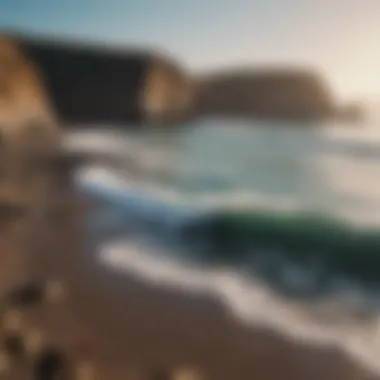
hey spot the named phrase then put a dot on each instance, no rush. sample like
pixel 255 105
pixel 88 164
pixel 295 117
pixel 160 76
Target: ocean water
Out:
pixel 280 222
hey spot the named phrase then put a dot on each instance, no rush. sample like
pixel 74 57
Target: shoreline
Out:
pixel 169 329
pixel 198 314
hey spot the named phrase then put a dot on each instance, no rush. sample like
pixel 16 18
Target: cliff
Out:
pixel 352 113
pixel 272 94
pixel 167 93
pixel 24 104
pixel 92 83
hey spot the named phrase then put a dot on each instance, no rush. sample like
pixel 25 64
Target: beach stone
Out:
pixel 27 294
pixel 14 346
pixel 187 374
pixel 85 370
pixel 51 364
pixel 12 320
pixel 5 364
pixel 34 341
pixel 55 291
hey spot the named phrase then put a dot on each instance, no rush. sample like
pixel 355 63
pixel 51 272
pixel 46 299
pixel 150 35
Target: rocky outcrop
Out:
pixel 25 108
pixel 23 99
pixel 352 113
pixel 167 93
pixel 89 83
pixel 272 94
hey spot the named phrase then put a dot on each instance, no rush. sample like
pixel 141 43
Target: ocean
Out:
pixel 279 222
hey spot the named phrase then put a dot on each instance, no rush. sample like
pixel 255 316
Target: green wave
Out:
pixel 300 238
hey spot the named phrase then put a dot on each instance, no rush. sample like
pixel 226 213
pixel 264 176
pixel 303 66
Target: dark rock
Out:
pixel 51 365
pixel 93 83
pixel 265 94
pixel 353 112
pixel 14 346
pixel 28 294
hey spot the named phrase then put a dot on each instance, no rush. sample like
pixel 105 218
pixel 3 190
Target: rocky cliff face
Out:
pixel 94 84
pixel 87 84
pixel 24 104
pixel 274 94
pixel 352 113
pixel 22 94
pixel 167 93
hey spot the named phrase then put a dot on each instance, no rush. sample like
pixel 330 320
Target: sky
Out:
pixel 340 38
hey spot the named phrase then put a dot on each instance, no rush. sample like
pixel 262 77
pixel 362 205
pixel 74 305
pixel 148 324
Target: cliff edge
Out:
pixel 94 83
pixel 270 94
pixel 25 108
pixel 23 97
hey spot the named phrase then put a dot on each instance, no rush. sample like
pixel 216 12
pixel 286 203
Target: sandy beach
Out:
pixel 161 330
pixel 113 326
pixel 157 331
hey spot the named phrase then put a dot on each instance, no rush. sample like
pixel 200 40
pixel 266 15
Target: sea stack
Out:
pixel 91 83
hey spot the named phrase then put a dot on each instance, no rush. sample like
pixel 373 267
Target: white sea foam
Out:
pixel 248 300
pixel 252 302
pixel 285 176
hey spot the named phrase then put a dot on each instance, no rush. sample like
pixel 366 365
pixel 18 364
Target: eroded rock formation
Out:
pixel 270 94
pixel 23 99
pixel 352 113
pixel 89 83
pixel 167 93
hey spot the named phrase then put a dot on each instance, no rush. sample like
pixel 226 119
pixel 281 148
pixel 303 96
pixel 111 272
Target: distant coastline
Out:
pixel 89 83
pixel 277 94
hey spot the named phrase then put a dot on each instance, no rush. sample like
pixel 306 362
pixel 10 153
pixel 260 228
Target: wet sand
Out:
pixel 113 326
pixel 160 329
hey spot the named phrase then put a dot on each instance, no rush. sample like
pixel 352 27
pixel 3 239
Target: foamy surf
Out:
pixel 252 302
pixel 350 185
pixel 106 180
pixel 347 318
pixel 339 321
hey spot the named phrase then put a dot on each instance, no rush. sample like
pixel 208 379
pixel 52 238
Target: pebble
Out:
pixel 186 374
pixel 34 341
pixel 55 291
pixel 5 363
pixel 12 320
pixel 85 370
